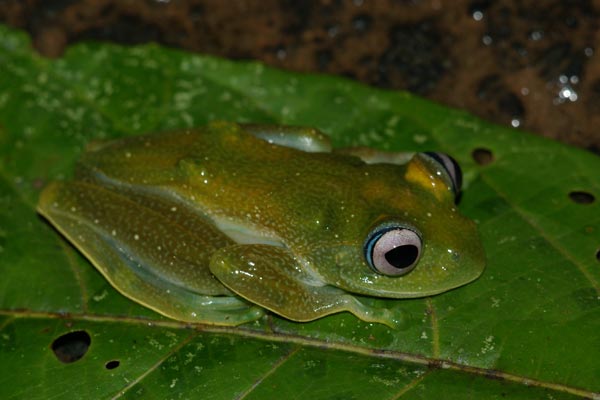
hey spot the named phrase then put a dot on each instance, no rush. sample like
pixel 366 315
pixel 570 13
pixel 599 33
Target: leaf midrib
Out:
pixel 279 337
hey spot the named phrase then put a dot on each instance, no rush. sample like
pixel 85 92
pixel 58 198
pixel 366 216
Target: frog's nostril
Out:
pixel 455 256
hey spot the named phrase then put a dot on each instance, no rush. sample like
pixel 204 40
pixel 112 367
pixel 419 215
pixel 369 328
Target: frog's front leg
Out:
pixel 302 138
pixel 273 278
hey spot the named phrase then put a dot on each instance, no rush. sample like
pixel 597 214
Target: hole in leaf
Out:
pixel 71 346
pixel 482 156
pixel 581 197
pixel 112 364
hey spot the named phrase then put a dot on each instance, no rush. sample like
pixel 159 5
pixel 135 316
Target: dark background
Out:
pixel 529 64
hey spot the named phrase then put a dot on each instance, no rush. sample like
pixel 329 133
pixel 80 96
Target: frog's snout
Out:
pixel 451 168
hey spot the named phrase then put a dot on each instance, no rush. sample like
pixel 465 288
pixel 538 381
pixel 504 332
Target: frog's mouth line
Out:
pixel 401 287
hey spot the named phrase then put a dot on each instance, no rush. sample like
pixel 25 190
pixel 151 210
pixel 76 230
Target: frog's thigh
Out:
pixel 269 276
pixel 297 137
pixel 142 253
pixel 372 156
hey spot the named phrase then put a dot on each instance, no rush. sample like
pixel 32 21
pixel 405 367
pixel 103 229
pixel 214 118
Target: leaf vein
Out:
pixel 564 252
pixel 308 342
pixel 160 361
pixel 283 359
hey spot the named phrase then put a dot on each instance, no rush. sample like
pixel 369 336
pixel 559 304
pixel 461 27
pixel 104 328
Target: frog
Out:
pixel 228 223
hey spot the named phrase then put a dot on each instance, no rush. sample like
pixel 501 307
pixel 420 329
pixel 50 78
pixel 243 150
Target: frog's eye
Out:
pixel 450 167
pixel 393 251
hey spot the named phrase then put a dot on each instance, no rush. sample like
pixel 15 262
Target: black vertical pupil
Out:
pixel 402 256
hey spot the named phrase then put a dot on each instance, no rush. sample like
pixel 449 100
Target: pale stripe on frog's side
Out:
pixel 216 224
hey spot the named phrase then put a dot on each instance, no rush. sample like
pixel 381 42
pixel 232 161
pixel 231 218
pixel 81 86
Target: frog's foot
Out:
pixel 392 317
pixel 273 278
pixel 147 252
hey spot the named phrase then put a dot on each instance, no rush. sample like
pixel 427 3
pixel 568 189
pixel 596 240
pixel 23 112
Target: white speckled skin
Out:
pixel 215 225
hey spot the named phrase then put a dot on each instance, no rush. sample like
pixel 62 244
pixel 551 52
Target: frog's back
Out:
pixel 245 178
pixel 221 151
pixel 141 160
pixel 229 174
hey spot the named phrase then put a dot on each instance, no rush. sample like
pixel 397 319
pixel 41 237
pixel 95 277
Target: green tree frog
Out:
pixel 219 224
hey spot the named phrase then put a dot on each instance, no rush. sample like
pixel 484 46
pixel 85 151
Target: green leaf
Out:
pixel 528 328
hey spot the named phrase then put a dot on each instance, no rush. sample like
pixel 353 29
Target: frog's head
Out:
pixel 415 243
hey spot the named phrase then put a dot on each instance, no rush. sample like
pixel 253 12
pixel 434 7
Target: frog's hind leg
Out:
pixel 148 249
pixel 302 138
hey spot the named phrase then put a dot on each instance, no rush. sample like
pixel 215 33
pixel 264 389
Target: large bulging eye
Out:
pixel 451 167
pixel 393 251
